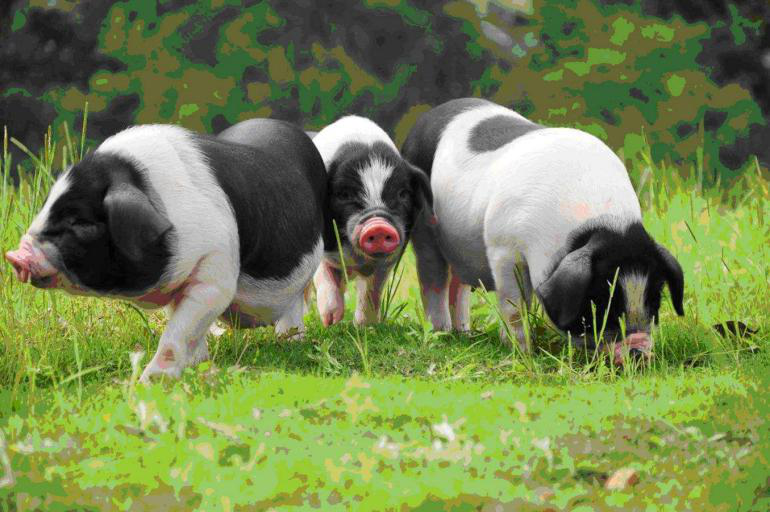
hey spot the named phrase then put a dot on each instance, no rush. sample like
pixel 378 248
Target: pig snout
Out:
pixel 378 237
pixel 30 264
pixel 638 345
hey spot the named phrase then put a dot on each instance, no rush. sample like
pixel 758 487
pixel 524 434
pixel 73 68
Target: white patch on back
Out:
pixel 373 178
pixel 527 195
pixel 634 285
pixel 59 187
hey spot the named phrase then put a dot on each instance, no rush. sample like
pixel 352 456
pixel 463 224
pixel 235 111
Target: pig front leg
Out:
pixel 505 265
pixel 460 304
pixel 209 291
pixel 329 293
pixel 369 292
pixel 432 272
pixel 198 349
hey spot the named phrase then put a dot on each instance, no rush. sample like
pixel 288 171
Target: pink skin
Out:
pixel 334 276
pixel 377 236
pixel 640 341
pixel 169 295
pixel 454 286
pixel 29 262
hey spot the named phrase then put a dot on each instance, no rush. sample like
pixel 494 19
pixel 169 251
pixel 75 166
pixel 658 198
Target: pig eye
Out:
pixel 345 194
pixel 80 223
pixel 404 194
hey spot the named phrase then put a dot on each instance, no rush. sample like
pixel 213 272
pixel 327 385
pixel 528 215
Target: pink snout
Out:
pixel 378 236
pixel 637 345
pixel 29 263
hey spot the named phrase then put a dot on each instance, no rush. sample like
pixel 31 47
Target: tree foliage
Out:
pixel 610 69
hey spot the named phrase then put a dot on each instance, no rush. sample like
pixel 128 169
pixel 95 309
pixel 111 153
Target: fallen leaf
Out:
pixel 622 478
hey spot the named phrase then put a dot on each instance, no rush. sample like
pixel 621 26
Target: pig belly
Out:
pixel 247 316
pixel 263 302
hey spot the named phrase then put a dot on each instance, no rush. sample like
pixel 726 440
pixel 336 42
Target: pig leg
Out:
pixel 505 268
pixel 197 348
pixel 329 293
pixel 460 304
pixel 369 291
pixel 291 324
pixel 209 291
pixel 432 271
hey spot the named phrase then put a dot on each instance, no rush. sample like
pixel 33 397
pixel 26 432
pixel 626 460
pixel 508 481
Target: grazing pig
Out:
pixel 162 216
pixel 373 196
pixel 553 205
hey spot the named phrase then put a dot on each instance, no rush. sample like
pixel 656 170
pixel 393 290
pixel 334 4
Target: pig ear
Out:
pixel 564 292
pixel 134 222
pixel 674 277
pixel 421 182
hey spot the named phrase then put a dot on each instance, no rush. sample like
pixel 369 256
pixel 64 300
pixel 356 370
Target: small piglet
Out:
pixel 553 205
pixel 374 196
pixel 162 216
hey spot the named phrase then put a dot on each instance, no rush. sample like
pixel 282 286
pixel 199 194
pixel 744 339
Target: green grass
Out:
pixel 360 418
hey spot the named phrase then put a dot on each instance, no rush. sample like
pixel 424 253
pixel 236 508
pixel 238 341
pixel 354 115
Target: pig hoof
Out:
pixel 290 334
pixel 152 372
pixel 331 317
pixel 216 330
pixel 519 337
pixel 363 319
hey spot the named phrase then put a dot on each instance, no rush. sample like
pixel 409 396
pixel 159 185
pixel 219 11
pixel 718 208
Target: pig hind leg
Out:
pixel 369 292
pixel 460 304
pixel 291 324
pixel 433 274
pixel 512 283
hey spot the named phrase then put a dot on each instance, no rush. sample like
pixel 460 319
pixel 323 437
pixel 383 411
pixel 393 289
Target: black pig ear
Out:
pixel 564 292
pixel 674 277
pixel 134 223
pixel 421 184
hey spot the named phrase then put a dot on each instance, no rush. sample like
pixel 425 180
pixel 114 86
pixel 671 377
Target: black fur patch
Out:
pixel 78 226
pixel 632 251
pixel 420 145
pixel 346 189
pixel 276 183
pixel 403 192
pixel 497 131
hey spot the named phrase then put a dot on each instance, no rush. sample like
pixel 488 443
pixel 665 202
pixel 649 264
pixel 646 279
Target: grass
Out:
pixel 396 416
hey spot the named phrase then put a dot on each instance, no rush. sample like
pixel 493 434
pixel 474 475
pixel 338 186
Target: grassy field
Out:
pixel 396 416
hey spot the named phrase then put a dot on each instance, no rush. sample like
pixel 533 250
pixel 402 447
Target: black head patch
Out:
pixel 367 180
pixel 497 131
pixel 106 234
pixel 583 277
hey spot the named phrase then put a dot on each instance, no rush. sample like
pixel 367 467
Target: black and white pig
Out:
pixel 165 217
pixel 554 203
pixel 374 196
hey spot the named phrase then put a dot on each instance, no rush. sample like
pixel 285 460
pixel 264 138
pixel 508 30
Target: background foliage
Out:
pixel 685 75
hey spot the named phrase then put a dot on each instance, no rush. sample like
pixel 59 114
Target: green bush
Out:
pixel 608 69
